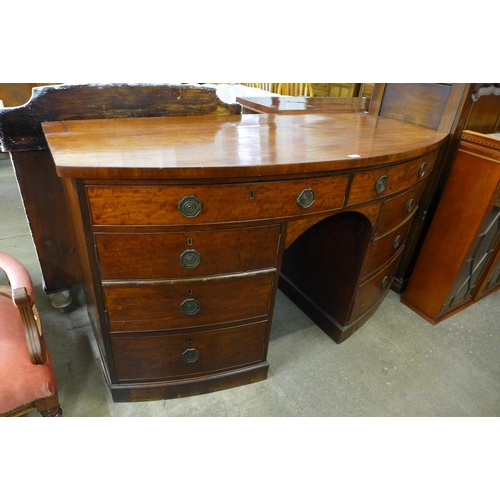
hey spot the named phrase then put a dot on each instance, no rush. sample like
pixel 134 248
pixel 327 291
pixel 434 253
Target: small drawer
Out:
pixel 383 249
pixel 181 205
pixel 385 181
pixel 372 290
pixel 143 357
pixel 186 254
pixel 187 303
pixel 397 209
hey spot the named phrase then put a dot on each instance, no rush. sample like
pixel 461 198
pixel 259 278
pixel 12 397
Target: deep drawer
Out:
pixel 372 290
pixel 187 303
pixel 186 254
pixel 180 355
pixel 385 181
pixel 175 205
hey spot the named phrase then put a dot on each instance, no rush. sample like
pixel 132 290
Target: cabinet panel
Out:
pixel 179 355
pixel 464 235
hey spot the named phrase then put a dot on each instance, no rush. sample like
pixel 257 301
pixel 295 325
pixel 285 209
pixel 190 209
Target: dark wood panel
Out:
pixel 157 306
pixel 161 357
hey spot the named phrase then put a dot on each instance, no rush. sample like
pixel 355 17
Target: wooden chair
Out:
pixel 26 377
pixel 295 89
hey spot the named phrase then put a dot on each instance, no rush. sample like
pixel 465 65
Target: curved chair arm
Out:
pixel 21 292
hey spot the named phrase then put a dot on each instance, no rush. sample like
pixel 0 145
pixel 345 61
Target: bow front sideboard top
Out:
pixel 186 226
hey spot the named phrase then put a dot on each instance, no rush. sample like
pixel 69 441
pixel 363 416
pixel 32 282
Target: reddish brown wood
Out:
pixel 471 191
pixel 232 146
pixel 158 255
pixel 161 355
pixel 126 179
pixel 157 306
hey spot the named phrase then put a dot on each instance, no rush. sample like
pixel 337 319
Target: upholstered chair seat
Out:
pixel 26 377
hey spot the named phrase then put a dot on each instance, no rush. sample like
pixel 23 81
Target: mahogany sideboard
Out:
pixel 442 107
pixel 187 225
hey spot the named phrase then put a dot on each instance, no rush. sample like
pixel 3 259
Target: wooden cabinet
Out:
pixel 186 227
pixel 459 261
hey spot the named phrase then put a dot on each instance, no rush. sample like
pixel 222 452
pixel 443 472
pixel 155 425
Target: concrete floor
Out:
pixel 395 365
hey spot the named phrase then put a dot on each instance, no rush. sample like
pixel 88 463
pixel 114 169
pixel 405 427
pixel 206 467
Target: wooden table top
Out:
pixel 232 146
pixel 289 104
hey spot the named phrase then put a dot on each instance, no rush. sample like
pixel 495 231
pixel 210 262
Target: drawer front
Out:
pixel 385 181
pixel 187 303
pixel 180 355
pixel 383 249
pixel 186 254
pixel 397 209
pixel 181 205
pixel 372 290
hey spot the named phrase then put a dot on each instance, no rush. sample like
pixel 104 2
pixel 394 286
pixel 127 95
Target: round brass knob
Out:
pixel 306 198
pixel 190 307
pixel 421 170
pixel 189 259
pixel 189 206
pixel 381 184
pixel 191 355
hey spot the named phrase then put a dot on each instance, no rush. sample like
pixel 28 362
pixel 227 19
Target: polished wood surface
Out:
pixel 164 328
pixel 454 240
pixel 289 104
pixel 231 146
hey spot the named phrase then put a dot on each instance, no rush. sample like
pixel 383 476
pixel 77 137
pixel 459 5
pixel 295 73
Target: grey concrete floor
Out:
pixel 395 365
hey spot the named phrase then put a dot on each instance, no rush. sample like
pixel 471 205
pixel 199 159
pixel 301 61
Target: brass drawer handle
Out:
pixel 385 282
pixel 189 206
pixel 191 355
pixel 409 207
pixel 189 259
pixel 397 241
pixel 190 307
pixel 422 169
pixel 306 198
pixel 381 184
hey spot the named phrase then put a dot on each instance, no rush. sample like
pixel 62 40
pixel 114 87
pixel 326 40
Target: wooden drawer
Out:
pixel 186 254
pixel 397 209
pixel 370 184
pixel 383 249
pixel 205 301
pixel 159 205
pixel 373 289
pixel 143 357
